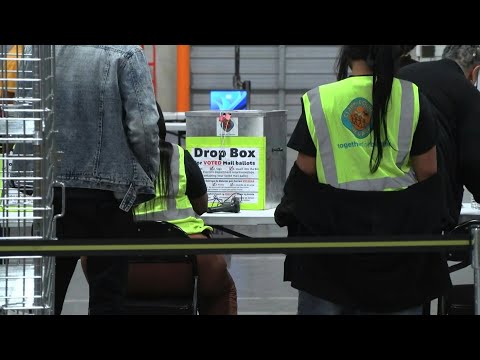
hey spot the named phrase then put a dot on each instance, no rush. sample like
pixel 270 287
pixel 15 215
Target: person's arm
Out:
pixel 141 113
pixel 307 164
pixel 423 154
pixel 196 187
pixel 200 205
pixel 425 165
pixel 301 141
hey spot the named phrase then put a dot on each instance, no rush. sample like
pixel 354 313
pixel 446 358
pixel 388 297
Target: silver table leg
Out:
pixel 475 231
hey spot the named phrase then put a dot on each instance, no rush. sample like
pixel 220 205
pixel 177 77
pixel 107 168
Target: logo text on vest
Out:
pixel 357 117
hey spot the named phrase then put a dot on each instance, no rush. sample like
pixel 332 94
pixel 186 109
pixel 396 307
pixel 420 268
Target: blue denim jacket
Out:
pixel 106 118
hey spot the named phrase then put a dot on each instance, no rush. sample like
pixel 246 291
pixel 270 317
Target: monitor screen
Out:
pixel 228 100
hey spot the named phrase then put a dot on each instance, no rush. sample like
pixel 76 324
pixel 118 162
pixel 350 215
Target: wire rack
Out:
pixel 26 176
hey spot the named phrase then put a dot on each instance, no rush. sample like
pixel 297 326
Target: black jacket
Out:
pixel 456 106
pixel 372 282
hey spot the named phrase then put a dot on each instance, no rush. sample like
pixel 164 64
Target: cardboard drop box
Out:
pixel 241 153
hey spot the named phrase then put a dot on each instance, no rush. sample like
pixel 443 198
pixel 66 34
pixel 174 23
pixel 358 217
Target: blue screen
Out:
pixel 228 100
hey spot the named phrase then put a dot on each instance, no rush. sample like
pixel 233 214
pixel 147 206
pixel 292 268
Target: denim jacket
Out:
pixel 106 121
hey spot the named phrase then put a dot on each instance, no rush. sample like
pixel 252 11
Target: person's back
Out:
pixel 366 166
pixel 456 106
pixel 181 197
pixel 179 187
pixel 351 150
pixel 106 121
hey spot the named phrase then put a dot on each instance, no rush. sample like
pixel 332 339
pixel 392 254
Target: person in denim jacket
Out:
pixel 107 138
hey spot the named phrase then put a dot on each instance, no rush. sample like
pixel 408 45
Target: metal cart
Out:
pixel 26 174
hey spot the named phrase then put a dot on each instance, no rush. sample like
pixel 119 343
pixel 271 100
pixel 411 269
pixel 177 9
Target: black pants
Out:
pixel 93 214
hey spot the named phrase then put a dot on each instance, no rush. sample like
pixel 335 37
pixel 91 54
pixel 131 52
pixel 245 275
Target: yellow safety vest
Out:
pixel 176 208
pixel 338 117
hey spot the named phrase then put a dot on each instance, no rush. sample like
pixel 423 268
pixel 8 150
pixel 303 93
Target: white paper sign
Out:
pixel 227 126
pixel 230 171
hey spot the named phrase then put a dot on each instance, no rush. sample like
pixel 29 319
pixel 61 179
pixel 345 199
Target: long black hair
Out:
pixel 382 61
pixel 163 182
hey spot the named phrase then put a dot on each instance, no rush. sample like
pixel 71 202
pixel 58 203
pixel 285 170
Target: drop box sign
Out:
pixel 233 166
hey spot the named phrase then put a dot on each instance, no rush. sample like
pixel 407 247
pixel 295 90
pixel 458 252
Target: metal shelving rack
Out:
pixel 26 175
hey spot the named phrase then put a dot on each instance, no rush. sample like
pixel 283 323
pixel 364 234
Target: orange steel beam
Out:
pixel 183 78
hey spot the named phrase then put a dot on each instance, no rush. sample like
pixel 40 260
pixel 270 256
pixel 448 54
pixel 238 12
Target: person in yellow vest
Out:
pixel 366 165
pixel 181 197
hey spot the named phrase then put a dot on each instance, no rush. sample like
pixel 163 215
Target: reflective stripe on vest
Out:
pixel 177 206
pixel 326 166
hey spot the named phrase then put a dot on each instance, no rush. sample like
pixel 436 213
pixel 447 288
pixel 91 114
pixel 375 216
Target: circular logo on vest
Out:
pixel 226 122
pixel 357 117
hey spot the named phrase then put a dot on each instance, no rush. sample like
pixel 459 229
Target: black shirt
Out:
pixel 456 109
pixel 423 139
pixel 405 60
pixel 378 282
pixel 196 186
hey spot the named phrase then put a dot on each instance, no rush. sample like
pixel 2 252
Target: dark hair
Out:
pixel 382 60
pixel 162 129
pixel 407 48
pixel 165 173
pixel 406 59
pixel 163 182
